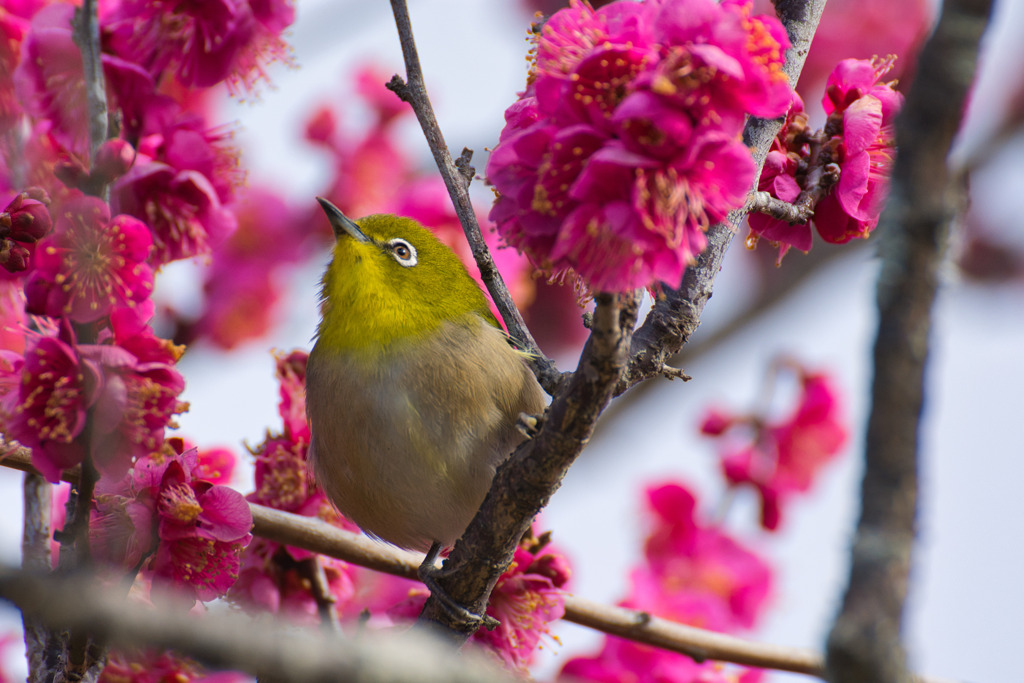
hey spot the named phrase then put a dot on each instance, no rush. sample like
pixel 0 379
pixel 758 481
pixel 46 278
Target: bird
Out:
pixel 414 393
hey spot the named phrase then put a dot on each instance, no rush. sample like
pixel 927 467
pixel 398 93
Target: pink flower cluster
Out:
pixel 180 528
pixel 781 458
pixel 693 574
pixel 842 169
pixel 89 270
pixel 625 146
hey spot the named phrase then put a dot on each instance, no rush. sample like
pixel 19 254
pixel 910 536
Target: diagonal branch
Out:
pixel 524 483
pixel 865 642
pixel 456 178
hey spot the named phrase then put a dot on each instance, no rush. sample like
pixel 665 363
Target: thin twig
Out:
pixel 765 203
pixel 318 537
pixel 456 178
pixel 865 641
pixel 313 571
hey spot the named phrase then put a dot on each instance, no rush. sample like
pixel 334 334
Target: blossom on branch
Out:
pixel 841 172
pixel 781 458
pixel 625 146
pixel 91 264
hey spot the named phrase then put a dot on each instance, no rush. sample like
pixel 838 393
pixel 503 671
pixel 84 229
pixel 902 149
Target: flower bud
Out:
pixel 113 160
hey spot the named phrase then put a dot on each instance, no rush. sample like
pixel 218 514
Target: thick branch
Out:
pixel 456 179
pixel 676 313
pixel 271 651
pixel 524 484
pixel 318 537
pixel 864 644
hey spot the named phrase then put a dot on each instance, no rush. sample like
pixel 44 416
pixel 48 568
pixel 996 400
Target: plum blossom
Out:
pixel 50 83
pixel 184 530
pixel 843 170
pixel 782 457
pixel 201 43
pixel 160 667
pixel 691 573
pixel 45 394
pixel 91 264
pixel 625 148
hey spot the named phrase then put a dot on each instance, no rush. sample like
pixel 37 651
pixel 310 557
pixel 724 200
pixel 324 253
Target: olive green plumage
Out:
pixel 412 390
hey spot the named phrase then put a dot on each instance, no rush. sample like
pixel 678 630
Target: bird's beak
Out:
pixel 340 223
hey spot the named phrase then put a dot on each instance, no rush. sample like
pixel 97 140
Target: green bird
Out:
pixel 413 391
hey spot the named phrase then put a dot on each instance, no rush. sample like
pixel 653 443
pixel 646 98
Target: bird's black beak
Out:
pixel 340 223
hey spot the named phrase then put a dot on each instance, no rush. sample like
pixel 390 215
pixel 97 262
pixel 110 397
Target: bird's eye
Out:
pixel 403 252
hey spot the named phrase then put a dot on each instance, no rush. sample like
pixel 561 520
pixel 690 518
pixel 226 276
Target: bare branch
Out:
pixel 865 643
pixel 763 202
pixel 36 558
pixel 457 177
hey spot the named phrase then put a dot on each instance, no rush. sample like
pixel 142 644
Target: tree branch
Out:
pixel 277 652
pixel 457 177
pixel 526 481
pixel 676 313
pixel 36 558
pixel 86 34
pixel 318 537
pixel 864 644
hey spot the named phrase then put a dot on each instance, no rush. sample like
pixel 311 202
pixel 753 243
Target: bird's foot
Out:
pixel 529 425
pixel 428 572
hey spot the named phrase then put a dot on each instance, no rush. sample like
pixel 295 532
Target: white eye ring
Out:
pixel 403 252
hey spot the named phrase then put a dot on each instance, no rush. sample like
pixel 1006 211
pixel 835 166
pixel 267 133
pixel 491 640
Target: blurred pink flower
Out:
pixel 624 661
pixel 44 397
pixel 160 667
pixel 785 456
pixel 625 147
pixel 203 43
pixel 696 574
pixel 91 264
pixel 182 208
pixel 50 84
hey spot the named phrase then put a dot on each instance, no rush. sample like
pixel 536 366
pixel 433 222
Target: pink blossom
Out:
pixel 44 397
pixel 625 146
pixel 182 208
pixel 786 456
pixel 50 83
pixel 528 597
pixel 200 528
pixel 91 264
pixel 138 397
pixel 696 574
pixel 867 111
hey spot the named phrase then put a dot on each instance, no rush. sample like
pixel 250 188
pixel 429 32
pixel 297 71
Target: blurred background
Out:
pixel 819 309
